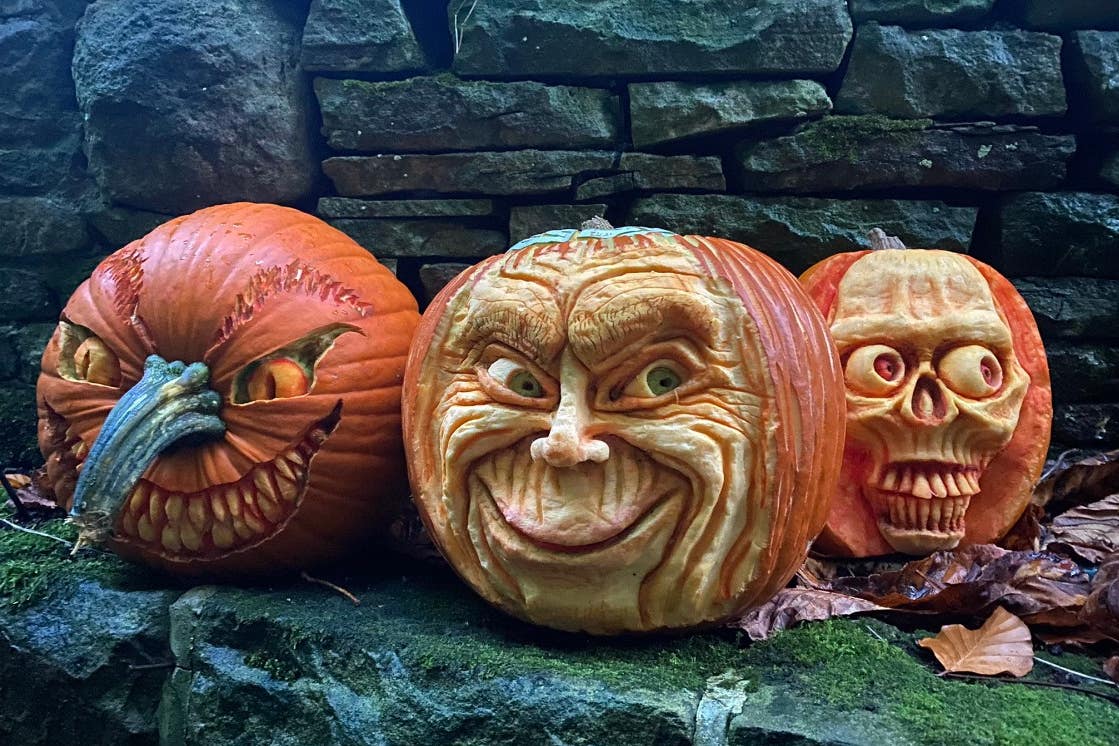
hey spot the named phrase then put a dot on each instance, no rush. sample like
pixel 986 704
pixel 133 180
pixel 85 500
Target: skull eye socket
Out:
pixel 84 357
pixel 972 371
pixel 874 370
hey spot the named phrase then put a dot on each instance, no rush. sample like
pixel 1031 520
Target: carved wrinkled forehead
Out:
pixel 923 292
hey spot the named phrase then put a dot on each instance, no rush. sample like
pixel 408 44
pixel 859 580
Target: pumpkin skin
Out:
pixel 623 430
pixel 305 336
pixel 936 437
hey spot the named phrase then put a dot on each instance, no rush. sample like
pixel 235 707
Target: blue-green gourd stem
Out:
pixel 170 402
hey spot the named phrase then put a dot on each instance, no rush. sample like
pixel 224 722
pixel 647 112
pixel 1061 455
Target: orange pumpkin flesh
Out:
pixel 995 481
pixel 303 336
pixel 623 430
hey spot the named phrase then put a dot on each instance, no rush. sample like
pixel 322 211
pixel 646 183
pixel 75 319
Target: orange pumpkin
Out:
pixel 271 440
pixel 623 430
pixel 948 397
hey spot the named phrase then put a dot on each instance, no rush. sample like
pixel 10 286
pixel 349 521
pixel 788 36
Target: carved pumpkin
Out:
pixel 623 430
pixel 272 439
pixel 948 400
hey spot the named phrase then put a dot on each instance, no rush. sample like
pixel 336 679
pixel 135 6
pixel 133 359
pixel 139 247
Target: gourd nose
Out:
pixel 928 403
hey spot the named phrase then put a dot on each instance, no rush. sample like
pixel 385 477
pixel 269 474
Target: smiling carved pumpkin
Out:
pixel 222 396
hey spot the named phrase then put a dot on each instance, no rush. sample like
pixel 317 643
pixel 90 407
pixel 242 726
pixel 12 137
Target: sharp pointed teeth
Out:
pixel 270 508
pixel 233 500
pixel 247 495
pixel 174 508
pixel 296 458
pixel 288 490
pixel 145 528
pixel 192 539
pixel 317 436
pixel 217 504
pixel 128 524
pixel 937 485
pixel 890 479
pixel 263 482
pixel 223 536
pixel 255 523
pixel 170 539
pixel 951 483
pixel 284 468
pixel 242 529
pixel 155 506
pixel 199 514
pixel 139 500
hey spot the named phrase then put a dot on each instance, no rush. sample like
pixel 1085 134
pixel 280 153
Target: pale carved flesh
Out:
pixel 599 425
pixel 934 389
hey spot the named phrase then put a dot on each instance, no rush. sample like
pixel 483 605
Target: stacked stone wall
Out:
pixel 436 133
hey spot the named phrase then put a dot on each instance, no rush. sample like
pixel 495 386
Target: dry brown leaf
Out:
pixel 791 606
pixel 1002 644
pixel 1111 668
pixel 1090 531
pixel 1069 483
pixel 1101 609
pixel 18 481
pixel 1025 535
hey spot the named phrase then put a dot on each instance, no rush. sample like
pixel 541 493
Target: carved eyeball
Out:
pixel 875 370
pixel 277 378
pixel 972 371
pixel 516 378
pixel 656 379
pixel 96 363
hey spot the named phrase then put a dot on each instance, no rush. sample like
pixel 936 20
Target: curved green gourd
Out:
pixel 170 402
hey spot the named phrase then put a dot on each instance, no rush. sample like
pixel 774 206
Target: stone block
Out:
pixel 645 172
pixel 1067 14
pixel 37 226
pixel 1060 233
pixel 529 220
pixel 1072 307
pixel 1083 373
pixel 422 238
pixel 1092 61
pixel 920 13
pixel 122 225
pixel 668 111
pixel 434 277
pixel 445 113
pixel 360 35
pixel 347 207
pixel 26 296
pixel 1086 425
pixel 952 74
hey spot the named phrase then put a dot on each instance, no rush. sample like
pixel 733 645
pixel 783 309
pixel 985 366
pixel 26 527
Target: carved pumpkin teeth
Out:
pixel 198 514
pixel 233 502
pixel 174 508
pixel 217 505
pixel 282 466
pixel 155 506
pixel 935 513
pixel 138 503
pixel 170 540
pixel 128 524
pixel 145 528
pixel 224 537
pixel 890 479
pixel 289 491
pixel 241 528
pixel 906 484
pixel 190 536
pixel 921 487
pixel 269 507
pixel 937 485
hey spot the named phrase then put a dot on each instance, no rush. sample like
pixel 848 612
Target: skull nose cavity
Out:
pixel 929 404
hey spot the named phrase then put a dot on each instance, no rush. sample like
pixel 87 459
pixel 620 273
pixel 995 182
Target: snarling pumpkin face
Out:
pixel 935 392
pixel 270 439
pixel 604 438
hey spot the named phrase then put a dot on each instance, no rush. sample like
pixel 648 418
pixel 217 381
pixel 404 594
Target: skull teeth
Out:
pixel 223 517
pixel 926 496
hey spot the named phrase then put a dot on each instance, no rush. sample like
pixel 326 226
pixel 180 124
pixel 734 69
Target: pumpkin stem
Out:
pixel 597 223
pixel 170 402
pixel 880 240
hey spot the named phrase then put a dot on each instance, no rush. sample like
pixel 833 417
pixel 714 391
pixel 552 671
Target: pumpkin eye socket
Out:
pixel 875 370
pixel 288 372
pixel 85 358
pixel 516 378
pixel 656 379
pixel 972 371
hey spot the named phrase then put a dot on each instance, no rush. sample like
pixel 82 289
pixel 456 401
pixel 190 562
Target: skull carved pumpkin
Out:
pixel 275 445
pixel 623 430
pixel 948 400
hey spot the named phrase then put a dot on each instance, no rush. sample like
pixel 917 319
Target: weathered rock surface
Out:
pixel 121 225
pixel 610 38
pixel 1093 71
pixel 669 111
pixel 1086 425
pixel 529 220
pixel 444 113
pixel 646 172
pixel 191 103
pixel 1060 233
pixel 951 73
pixel 868 152
pixel 799 231
pixel 18 444
pixel 1068 14
pixel 920 12
pixel 21 348
pixel 1073 307
pixel 1083 373
pixel 1109 169
pixel 421 238
pixel 25 296
pixel 512 172
pixel 433 277
pixel 360 35
pixel 347 207
pixel 31 226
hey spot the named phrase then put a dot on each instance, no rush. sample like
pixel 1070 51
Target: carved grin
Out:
pixel 923 501
pixel 223 518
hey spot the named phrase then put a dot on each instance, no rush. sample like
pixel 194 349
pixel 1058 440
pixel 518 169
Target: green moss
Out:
pixel 32 566
pixel 840 137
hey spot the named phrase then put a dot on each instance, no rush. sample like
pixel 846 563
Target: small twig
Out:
pixel 1027 682
pixel 311 579
pixel 871 631
pixel 1057 464
pixel 460 31
pixel 1075 673
pixel 150 666
pixel 21 509
pixel 18 527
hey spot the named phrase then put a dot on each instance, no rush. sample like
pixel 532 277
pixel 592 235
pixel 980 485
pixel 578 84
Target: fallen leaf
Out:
pixel 791 606
pixel 1069 483
pixel 1001 645
pixel 1025 535
pixel 1090 531
pixel 18 481
pixel 1101 609
pixel 1111 668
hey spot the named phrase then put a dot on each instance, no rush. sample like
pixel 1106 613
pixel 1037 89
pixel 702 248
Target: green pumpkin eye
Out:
pixel 662 379
pixel 525 384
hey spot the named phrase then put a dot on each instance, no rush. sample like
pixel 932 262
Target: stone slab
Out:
pixel 1083 373
pixel 360 35
pixel 528 220
pixel 669 111
pixel 422 238
pixel 1068 14
pixel 952 74
pixel 1060 233
pixel 21 346
pixel 1086 425
pixel 347 207
pixel 434 277
pixel 920 13
pixel 799 231
pixel 444 113
pixel 619 38
pixel 1092 65
pixel 644 172
pixel 1073 307
pixel 37 226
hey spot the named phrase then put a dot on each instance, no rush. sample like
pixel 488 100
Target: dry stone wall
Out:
pixel 436 133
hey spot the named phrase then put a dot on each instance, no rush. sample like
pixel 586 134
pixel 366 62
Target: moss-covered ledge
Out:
pixel 423 661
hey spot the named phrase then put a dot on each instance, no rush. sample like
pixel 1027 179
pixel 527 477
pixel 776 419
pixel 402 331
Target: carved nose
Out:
pixel 929 405
pixel 568 442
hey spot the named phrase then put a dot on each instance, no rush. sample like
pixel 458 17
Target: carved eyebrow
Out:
pixel 514 324
pixel 601 331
